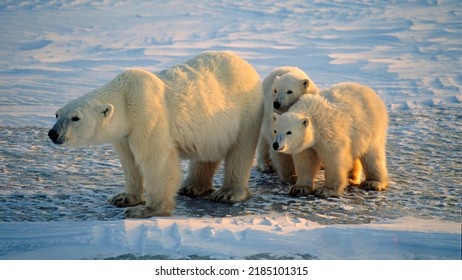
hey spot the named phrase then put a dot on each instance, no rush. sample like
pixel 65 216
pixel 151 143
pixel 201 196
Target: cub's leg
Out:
pixel 284 165
pixel 336 174
pixel 263 157
pixel 306 165
pixel 375 168
pixel 199 181
pixel 133 194
pixel 355 173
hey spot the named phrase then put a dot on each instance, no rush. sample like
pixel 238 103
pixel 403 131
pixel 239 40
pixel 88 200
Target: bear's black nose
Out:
pixel 275 146
pixel 53 135
pixel 276 105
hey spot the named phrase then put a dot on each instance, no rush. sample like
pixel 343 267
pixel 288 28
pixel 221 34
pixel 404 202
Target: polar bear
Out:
pixel 205 110
pixel 282 88
pixel 343 128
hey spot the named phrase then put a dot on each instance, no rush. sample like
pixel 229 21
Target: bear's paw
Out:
pixel 326 192
pixel 292 180
pixel 126 200
pixel 229 195
pixel 191 191
pixel 300 190
pixel 373 186
pixel 264 168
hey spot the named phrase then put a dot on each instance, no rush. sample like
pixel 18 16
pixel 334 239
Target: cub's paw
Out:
pixel 229 195
pixel 191 191
pixel 292 180
pixel 326 192
pixel 373 186
pixel 353 182
pixel 300 190
pixel 264 168
pixel 125 200
pixel 141 211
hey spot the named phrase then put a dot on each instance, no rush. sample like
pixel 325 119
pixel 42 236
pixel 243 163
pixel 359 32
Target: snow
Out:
pixel 52 200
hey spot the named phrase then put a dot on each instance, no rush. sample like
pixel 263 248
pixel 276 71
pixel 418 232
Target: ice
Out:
pixel 53 200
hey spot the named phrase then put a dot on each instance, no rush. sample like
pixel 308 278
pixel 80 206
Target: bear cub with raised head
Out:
pixel 282 88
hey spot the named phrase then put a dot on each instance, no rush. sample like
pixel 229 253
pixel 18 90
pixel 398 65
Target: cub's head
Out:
pixel 292 133
pixel 81 122
pixel 287 89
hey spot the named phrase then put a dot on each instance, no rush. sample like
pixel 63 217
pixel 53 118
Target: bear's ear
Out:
pixel 306 122
pixel 276 78
pixel 275 116
pixel 306 83
pixel 106 110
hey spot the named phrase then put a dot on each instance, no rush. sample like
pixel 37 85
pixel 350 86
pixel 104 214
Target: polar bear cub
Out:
pixel 345 123
pixel 206 110
pixel 282 88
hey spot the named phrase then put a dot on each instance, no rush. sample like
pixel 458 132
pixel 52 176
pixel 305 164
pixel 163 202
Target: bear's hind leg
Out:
pixel 237 167
pixel 199 181
pixel 133 194
pixel 355 174
pixel 375 169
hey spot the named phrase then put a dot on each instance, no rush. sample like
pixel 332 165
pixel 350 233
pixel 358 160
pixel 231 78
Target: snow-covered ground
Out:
pixel 52 200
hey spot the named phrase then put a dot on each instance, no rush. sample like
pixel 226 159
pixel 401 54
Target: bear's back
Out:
pixel 358 101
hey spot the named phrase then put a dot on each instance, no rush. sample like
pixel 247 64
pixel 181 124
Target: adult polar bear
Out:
pixel 205 110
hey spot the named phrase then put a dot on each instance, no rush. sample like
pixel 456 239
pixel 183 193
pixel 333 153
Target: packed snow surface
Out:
pixel 53 200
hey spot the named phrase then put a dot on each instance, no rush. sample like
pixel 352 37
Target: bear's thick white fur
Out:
pixel 282 87
pixel 206 110
pixel 343 128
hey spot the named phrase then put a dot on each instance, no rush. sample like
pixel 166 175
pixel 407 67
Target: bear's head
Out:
pixel 292 133
pixel 287 89
pixel 82 122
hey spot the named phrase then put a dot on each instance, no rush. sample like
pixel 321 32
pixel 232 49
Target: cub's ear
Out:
pixel 106 110
pixel 276 78
pixel 306 122
pixel 306 83
pixel 275 116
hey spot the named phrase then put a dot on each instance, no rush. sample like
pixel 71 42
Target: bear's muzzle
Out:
pixel 54 136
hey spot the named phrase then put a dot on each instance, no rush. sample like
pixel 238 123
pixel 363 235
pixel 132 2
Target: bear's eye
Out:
pixel 75 119
pixel 56 115
pixel 289 132
pixel 275 91
pixel 275 131
pixel 289 92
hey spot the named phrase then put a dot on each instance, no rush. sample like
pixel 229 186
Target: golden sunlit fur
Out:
pixel 342 126
pixel 206 110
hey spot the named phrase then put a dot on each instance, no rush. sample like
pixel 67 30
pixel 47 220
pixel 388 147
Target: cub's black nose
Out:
pixel 275 146
pixel 53 135
pixel 276 105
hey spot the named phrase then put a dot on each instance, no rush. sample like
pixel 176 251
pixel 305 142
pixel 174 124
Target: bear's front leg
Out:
pixel 336 174
pixel 133 194
pixel 161 173
pixel 306 165
pixel 284 165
